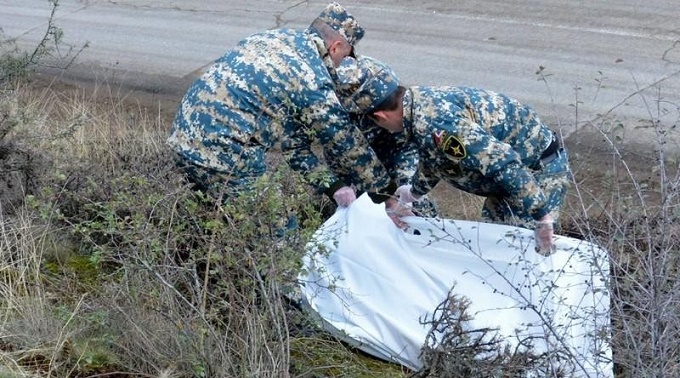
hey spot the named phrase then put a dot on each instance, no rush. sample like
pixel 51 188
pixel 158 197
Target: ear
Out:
pixel 380 115
pixel 334 46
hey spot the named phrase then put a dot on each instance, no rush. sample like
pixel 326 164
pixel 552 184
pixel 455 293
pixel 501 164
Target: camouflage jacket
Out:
pixel 399 158
pixel 478 141
pixel 276 90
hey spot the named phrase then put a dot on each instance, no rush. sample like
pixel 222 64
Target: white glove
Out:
pixel 344 196
pixel 395 210
pixel 543 234
pixel 404 194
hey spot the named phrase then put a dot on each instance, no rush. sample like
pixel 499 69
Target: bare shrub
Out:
pixel 17 64
pixel 633 211
pixel 452 349
pixel 19 165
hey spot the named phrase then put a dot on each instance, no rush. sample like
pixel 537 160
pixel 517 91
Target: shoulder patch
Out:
pixel 449 144
pixel 453 147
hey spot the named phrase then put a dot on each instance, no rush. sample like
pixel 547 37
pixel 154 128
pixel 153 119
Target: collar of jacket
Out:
pixel 323 53
pixel 407 101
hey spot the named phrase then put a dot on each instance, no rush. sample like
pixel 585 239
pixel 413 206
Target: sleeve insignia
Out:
pixel 449 144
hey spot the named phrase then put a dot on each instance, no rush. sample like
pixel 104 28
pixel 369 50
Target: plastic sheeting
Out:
pixel 373 284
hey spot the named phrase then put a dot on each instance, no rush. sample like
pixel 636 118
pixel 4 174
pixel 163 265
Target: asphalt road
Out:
pixel 619 58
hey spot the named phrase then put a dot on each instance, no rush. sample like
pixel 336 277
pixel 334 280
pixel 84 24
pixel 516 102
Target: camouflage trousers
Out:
pixel 554 179
pixel 425 207
pixel 239 167
pixel 243 188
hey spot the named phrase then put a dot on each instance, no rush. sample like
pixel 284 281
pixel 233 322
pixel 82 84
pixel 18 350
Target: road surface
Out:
pixel 619 58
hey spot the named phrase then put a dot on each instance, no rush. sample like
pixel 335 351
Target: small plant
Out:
pixel 17 64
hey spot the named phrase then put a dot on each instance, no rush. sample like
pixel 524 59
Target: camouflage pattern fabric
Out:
pixel 335 16
pixel 487 144
pixel 425 207
pixel 363 83
pixel 399 159
pixel 274 90
pixel 399 162
pixel 553 179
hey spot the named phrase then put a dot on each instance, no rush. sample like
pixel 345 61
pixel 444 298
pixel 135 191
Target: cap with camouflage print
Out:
pixel 364 83
pixel 344 23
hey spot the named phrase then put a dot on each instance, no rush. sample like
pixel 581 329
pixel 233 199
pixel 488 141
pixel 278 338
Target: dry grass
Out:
pixel 114 266
pixel 103 268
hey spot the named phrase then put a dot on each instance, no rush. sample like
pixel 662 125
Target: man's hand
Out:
pixel 395 210
pixel 543 233
pixel 404 194
pixel 344 196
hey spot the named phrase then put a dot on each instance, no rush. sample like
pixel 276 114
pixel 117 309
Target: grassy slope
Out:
pixel 89 275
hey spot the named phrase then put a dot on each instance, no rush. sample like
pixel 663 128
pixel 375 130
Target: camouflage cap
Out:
pixel 344 23
pixel 364 83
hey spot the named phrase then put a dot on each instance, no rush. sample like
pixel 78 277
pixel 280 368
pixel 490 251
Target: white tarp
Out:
pixel 372 284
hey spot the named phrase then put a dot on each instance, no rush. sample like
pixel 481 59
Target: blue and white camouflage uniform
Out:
pixel 400 162
pixel 274 90
pixel 479 141
pixel 487 144
pixel 399 158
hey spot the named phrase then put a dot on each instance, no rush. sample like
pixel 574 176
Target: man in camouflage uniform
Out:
pixel 399 158
pixel 276 90
pixel 479 141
